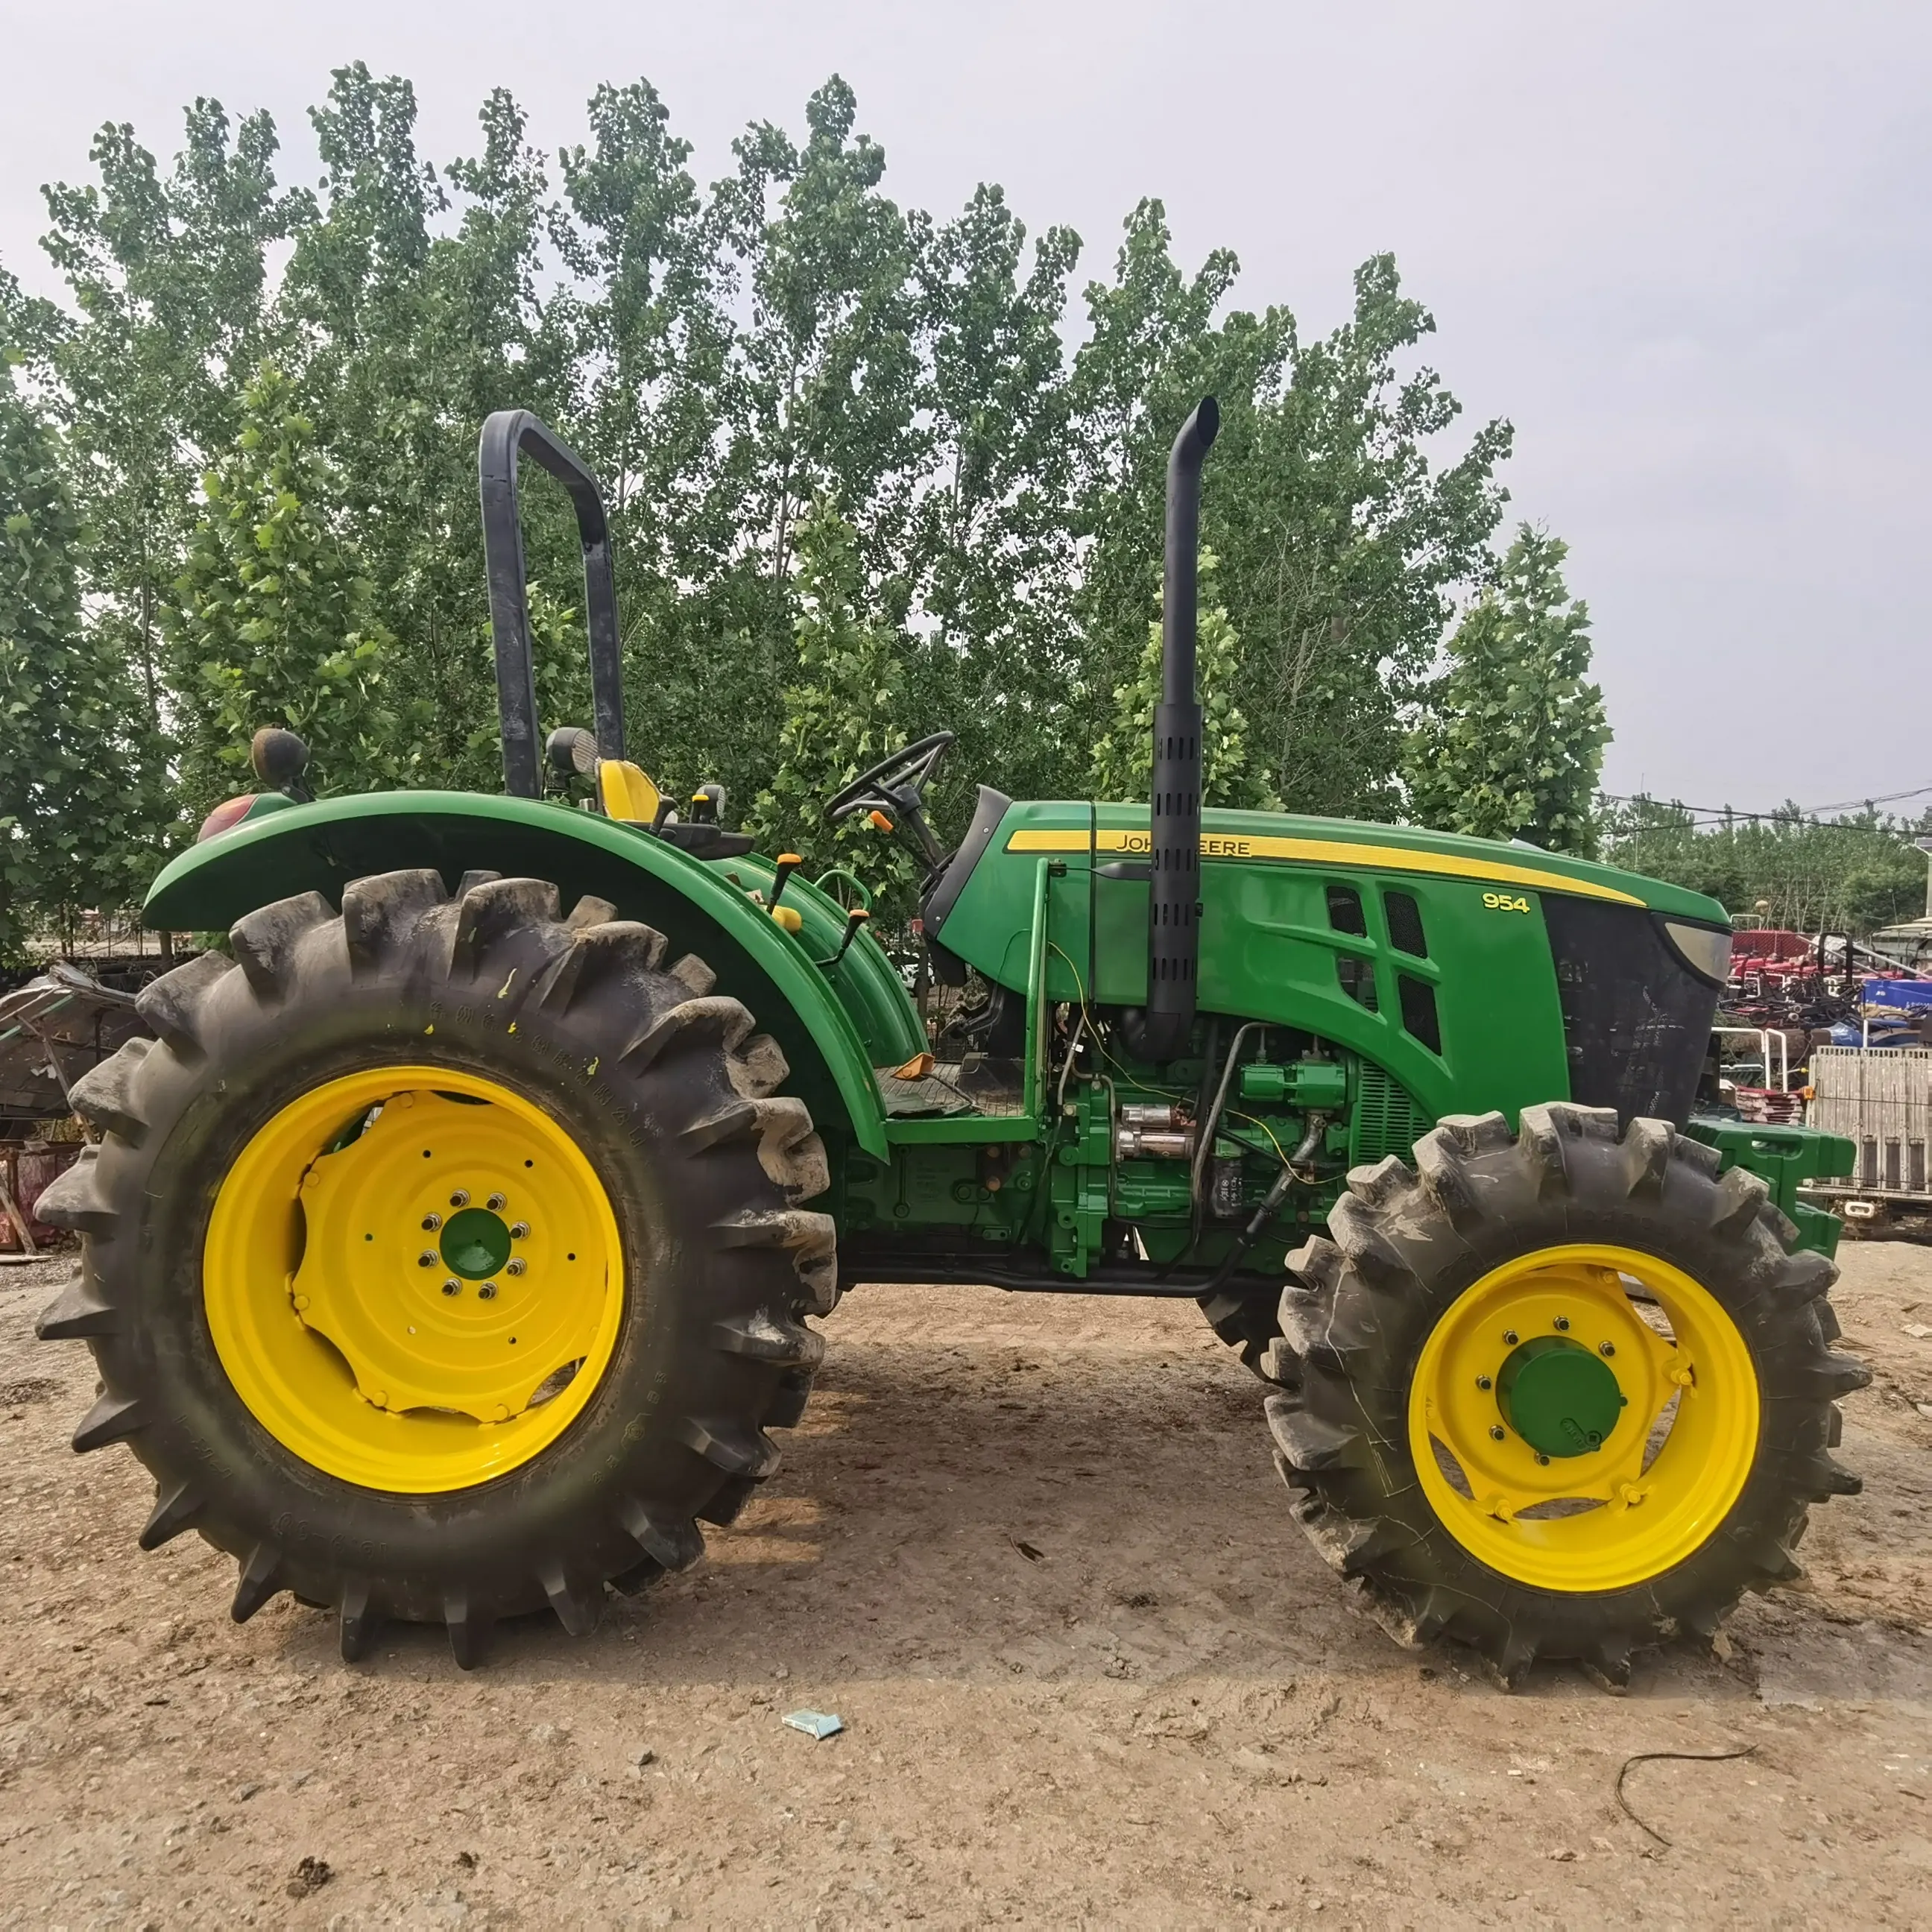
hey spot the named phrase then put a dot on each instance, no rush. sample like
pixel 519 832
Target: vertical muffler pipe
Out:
pixel 1174 810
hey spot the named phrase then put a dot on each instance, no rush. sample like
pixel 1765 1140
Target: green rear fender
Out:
pixel 322 847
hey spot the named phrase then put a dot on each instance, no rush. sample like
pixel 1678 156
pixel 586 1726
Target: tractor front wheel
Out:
pixel 1562 1393
pixel 442 1258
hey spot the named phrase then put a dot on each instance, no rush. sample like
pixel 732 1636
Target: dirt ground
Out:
pixel 1032 1551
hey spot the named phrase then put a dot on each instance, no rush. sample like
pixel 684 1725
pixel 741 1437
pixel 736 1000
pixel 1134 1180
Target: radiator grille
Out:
pixel 1387 1118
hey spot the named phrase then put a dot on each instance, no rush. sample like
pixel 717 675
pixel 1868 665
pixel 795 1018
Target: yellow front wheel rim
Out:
pixel 413 1278
pixel 1618 1512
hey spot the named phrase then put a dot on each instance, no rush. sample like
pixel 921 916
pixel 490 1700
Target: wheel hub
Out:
pixel 483 1350
pixel 1559 1397
pixel 452 1265
pixel 475 1243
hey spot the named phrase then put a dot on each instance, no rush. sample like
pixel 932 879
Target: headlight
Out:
pixel 1706 952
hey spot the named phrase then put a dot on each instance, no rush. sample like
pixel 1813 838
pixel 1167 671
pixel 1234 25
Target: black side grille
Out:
pixel 1418 1011
pixel 1404 924
pixel 1635 1020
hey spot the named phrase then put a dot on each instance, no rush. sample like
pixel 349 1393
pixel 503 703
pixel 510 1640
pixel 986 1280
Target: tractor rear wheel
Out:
pixel 442 1258
pixel 1563 1393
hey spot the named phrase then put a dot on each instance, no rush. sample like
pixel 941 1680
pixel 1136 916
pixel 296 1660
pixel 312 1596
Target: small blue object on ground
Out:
pixel 814 1723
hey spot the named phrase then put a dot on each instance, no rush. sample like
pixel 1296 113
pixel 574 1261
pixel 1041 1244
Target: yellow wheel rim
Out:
pixel 1595 1518
pixel 413 1278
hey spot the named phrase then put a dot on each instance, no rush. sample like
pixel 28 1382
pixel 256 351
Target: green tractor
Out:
pixel 451 1248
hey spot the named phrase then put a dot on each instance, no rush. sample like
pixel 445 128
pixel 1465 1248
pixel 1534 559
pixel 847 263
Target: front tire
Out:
pixel 1565 1393
pixel 342 1363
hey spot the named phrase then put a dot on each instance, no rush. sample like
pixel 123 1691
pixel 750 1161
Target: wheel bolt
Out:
pixel 1606 1348
pixel 518 1230
pixel 1562 1321
pixel 494 1203
pixel 452 1286
pixel 1509 1336
pixel 1543 1459
pixel 431 1223
pixel 514 1265
pixel 461 1198
pixel 488 1292
pixel 426 1258
pixel 1484 1382
pixel 1497 1432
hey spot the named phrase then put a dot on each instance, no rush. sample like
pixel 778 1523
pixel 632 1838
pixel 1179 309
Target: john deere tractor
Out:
pixel 452 1247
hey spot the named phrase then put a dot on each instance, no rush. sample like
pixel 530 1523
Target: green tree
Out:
pixel 169 278
pixel 831 353
pixel 1123 758
pixel 75 821
pixel 842 712
pixel 274 619
pixel 1351 528
pixel 1153 350
pixel 1513 734
pixel 1854 873
pixel 659 404
pixel 419 301
pixel 994 558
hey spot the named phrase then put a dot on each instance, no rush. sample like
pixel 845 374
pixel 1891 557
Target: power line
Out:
pixel 1783 812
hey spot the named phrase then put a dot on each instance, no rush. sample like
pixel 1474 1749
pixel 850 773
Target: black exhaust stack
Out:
pixel 1174 810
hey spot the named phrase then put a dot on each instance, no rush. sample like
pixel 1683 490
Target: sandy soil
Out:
pixel 1032 1551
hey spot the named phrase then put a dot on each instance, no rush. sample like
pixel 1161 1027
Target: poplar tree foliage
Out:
pixel 728 354
pixel 1512 737
pixel 844 711
pixel 272 621
pixel 71 810
pixel 1231 775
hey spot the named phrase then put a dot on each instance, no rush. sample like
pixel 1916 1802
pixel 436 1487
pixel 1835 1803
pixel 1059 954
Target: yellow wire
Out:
pixel 1166 1093
pixel 1255 1121
pixel 1145 1086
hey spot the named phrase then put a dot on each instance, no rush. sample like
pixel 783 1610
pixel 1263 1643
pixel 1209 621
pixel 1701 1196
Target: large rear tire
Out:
pixel 1565 1393
pixel 442 1258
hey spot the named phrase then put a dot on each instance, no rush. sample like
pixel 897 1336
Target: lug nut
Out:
pixel 494 1203
pixel 452 1286
pixel 519 1230
pixel 1497 1432
pixel 1543 1459
pixel 426 1258
pixel 461 1198
pixel 1606 1348
pixel 1484 1382
pixel 1509 1336
pixel 515 1265
pixel 431 1223
pixel 488 1292
pixel 1562 1321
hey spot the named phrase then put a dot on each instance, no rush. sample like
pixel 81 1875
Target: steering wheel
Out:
pixel 896 786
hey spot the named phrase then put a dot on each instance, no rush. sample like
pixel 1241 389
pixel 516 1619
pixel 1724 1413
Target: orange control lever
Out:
pixel 788 862
pixel 855 918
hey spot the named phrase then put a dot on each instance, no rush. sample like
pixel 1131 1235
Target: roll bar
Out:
pixel 506 435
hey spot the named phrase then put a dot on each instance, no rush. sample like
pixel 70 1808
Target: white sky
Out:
pixel 1683 246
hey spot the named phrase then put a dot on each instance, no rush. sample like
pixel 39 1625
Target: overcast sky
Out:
pixel 1683 247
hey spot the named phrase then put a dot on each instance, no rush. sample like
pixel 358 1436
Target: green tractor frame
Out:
pixel 452 1248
